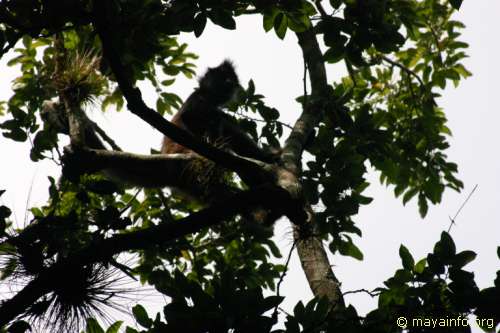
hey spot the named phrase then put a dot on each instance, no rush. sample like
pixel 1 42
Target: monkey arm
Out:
pixel 241 143
pixel 207 120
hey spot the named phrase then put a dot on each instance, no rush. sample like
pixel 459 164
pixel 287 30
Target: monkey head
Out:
pixel 219 84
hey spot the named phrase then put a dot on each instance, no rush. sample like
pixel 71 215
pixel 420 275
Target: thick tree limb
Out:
pixel 75 115
pixel 314 260
pixel 159 170
pixel 313 257
pixel 314 110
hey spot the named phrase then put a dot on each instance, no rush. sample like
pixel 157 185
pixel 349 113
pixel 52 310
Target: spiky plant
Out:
pixel 83 292
pixel 79 76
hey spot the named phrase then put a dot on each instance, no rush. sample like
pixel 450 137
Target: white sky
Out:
pixel 276 68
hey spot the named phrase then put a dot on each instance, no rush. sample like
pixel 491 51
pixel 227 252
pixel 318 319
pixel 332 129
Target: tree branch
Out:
pixel 75 115
pixel 129 169
pixel 404 68
pixel 320 8
pixel 314 110
pixel 313 257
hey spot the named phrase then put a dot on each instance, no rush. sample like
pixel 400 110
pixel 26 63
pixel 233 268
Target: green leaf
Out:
pixel 299 310
pixel 19 327
pixel 251 88
pixel 420 266
pixel 18 113
pixel 200 21
pixel 463 258
pixel 435 264
pixel 115 327
pixel 445 130
pixel 161 106
pixel 27 41
pixel 347 248
pixel 298 23
pixel 171 70
pixel 167 83
pixel 460 69
pixel 270 302
pixel 274 249
pixel 268 19
pixel 406 257
pixel 224 18
pixel 363 200
pixel 445 249
pixel 398 190
pixel 336 3
pixel 16 134
pixel 3 226
pixel 308 9
pixel 93 326
pixel 4 212
pixel 334 54
pixel 456 4
pixel 423 206
pixel 141 316
pixel 280 25
pixel 130 330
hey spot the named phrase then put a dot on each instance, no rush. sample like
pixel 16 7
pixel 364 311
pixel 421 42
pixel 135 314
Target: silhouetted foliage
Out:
pixel 211 262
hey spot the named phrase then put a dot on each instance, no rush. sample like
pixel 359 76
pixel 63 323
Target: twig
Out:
pixel 304 79
pixel 282 277
pixel 124 268
pixel 129 203
pixel 345 96
pixel 320 8
pixel 371 293
pixel 452 220
pixel 9 46
pixel 264 121
pixel 104 136
pixel 404 68
pixel 351 72
pixel 284 311
pixel 28 199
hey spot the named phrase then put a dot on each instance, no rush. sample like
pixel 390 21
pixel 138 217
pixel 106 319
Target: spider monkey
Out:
pixel 201 116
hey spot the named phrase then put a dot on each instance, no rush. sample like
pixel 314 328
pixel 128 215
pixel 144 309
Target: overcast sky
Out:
pixel 276 68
